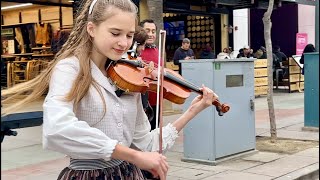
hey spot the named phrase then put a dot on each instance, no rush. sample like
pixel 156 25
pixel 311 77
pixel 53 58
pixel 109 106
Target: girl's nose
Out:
pixel 123 42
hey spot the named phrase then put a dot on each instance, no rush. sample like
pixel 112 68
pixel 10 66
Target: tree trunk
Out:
pixel 267 37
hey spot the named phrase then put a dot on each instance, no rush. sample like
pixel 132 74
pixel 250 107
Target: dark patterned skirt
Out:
pixel 124 171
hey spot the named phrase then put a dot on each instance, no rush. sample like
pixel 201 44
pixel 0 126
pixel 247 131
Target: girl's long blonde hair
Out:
pixel 78 44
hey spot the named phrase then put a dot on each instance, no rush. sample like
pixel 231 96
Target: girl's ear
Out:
pixel 90 29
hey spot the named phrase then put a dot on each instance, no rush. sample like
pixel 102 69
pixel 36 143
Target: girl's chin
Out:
pixel 115 56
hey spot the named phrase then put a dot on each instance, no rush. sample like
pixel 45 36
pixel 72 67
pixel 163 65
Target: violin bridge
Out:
pixel 127 90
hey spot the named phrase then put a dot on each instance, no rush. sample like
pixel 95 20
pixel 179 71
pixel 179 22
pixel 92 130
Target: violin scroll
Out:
pixel 221 108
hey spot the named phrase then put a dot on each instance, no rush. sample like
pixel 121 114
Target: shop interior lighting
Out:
pixel 16 6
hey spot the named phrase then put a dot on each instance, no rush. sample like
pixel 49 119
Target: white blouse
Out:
pixel 88 133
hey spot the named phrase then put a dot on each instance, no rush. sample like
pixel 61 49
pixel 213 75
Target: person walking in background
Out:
pixel 183 53
pixel 309 48
pixel 106 136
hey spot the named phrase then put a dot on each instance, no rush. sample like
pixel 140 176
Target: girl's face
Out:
pixel 113 37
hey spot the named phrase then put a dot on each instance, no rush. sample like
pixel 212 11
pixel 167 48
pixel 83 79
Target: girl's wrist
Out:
pixel 125 153
pixel 193 111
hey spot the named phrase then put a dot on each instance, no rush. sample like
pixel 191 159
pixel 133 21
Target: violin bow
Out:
pixel 159 120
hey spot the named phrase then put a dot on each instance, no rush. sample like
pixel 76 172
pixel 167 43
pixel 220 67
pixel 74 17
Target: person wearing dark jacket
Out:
pixel 207 53
pixel 280 55
pixel 183 53
pixel 307 49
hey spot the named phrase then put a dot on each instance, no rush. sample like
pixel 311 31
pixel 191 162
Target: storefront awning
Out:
pixel 306 2
pixel 223 6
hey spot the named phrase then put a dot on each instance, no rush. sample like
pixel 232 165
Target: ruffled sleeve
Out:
pixel 145 140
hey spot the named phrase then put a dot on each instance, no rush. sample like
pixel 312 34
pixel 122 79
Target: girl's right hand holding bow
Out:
pixel 153 162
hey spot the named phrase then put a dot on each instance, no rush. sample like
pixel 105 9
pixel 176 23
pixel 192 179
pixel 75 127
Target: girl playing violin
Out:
pixel 105 136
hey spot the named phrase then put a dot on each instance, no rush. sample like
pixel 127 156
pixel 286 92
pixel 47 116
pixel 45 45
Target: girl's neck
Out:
pixel 100 61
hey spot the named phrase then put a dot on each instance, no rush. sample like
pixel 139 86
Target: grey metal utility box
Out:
pixel 209 138
pixel 311 89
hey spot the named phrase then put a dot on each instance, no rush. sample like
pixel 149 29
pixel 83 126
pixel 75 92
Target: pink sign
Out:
pixel 301 42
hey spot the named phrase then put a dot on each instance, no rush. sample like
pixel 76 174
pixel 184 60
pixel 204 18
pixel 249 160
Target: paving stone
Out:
pixel 235 175
pixel 174 156
pixel 214 169
pixel 7 144
pixel 302 135
pixel 48 176
pixel 311 152
pixel 285 122
pixel 28 155
pixel 174 178
pixel 26 137
pixel 174 168
pixel 295 127
pixel 263 157
pixel 262 131
pixel 182 164
pixel 283 166
pixel 301 172
pixel 239 164
pixel 191 174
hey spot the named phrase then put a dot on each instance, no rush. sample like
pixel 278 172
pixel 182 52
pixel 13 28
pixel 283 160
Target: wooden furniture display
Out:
pixel 6 70
pixel 22 71
pixel 296 79
pixel 172 66
pixel 28 66
pixel 260 77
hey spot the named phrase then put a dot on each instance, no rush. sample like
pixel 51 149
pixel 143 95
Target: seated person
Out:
pixel 225 54
pixel 245 52
pixel 277 64
pixel 207 52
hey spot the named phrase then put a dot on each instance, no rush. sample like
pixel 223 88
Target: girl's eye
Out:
pixel 129 36
pixel 114 34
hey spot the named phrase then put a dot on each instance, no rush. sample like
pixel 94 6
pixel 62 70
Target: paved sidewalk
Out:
pixel 23 157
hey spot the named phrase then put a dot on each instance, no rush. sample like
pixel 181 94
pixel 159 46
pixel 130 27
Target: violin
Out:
pixel 136 76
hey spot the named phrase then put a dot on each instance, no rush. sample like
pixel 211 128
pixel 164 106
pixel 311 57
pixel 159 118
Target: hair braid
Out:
pixel 78 44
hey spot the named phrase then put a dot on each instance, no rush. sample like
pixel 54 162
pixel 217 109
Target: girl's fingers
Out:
pixel 161 173
pixel 165 167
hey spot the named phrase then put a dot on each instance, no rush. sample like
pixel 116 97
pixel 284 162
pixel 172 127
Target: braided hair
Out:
pixel 79 44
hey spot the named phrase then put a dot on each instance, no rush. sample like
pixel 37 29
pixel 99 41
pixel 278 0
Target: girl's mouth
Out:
pixel 119 51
